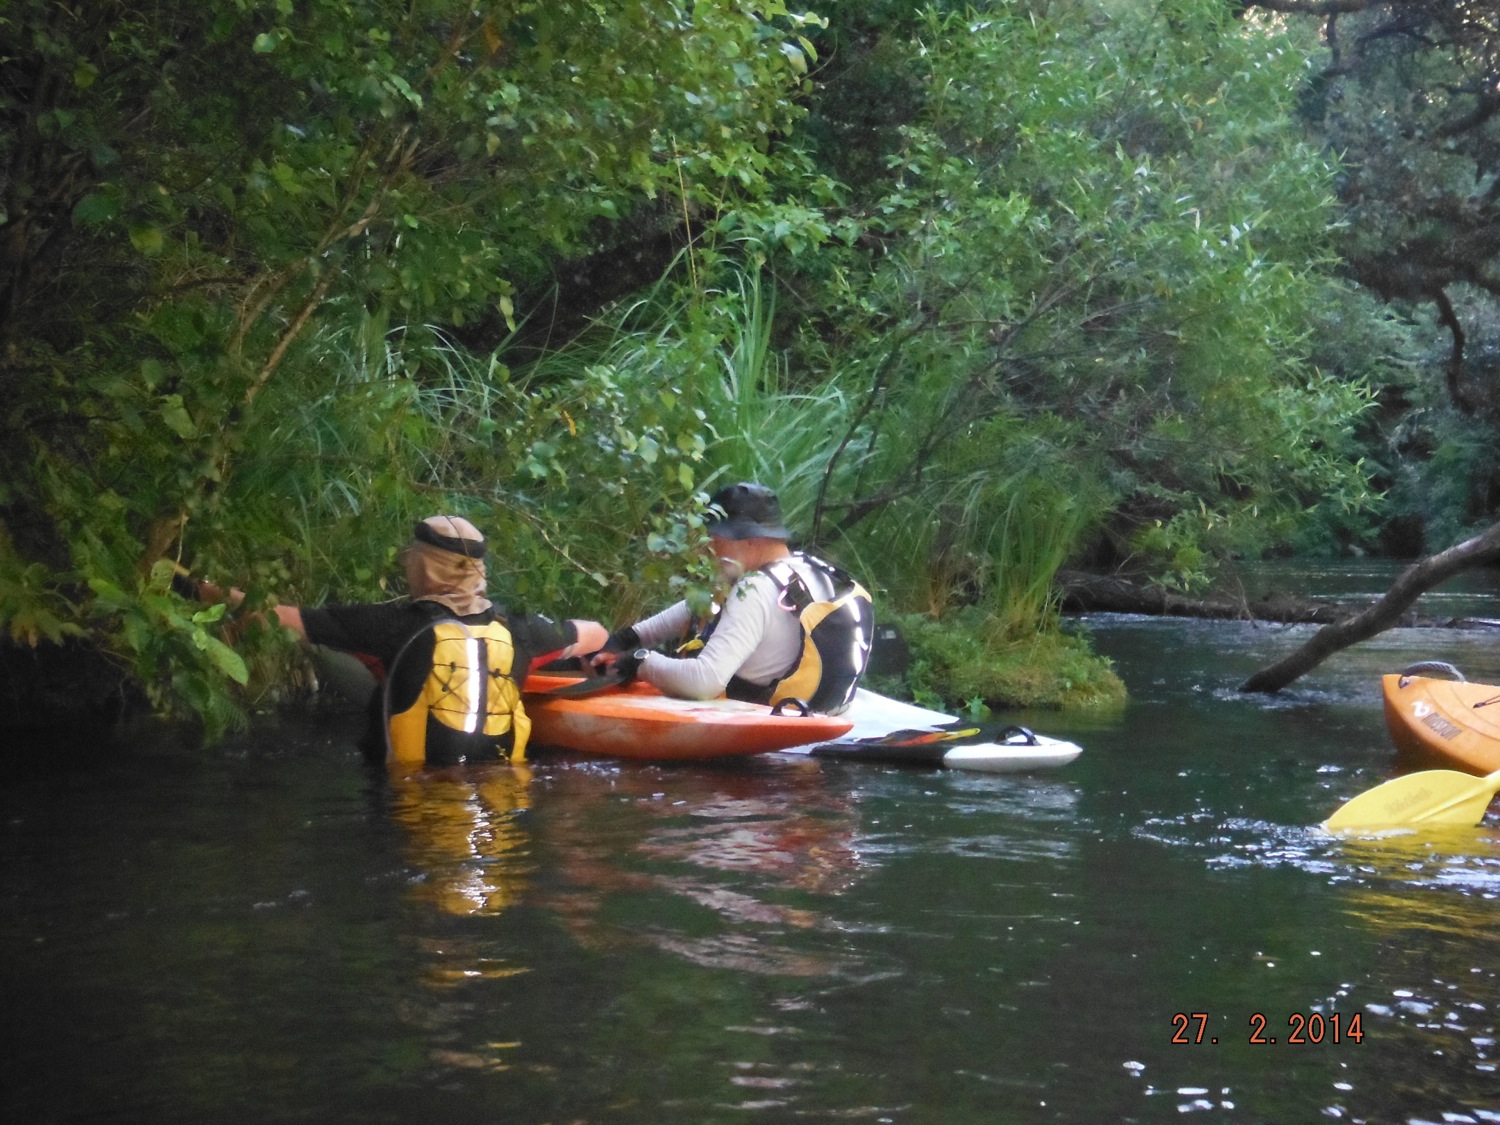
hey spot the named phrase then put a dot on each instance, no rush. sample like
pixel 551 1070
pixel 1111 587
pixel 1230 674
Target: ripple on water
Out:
pixel 1430 899
pixel 1454 859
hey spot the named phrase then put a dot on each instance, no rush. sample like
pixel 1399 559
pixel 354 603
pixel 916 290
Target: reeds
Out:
pixel 586 466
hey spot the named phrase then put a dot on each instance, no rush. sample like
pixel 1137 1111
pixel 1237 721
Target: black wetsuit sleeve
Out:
pixel 377 630
pixel 539 639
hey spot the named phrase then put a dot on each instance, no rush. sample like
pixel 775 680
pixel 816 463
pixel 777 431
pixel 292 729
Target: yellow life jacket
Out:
pixel 837 636
pixel 469 707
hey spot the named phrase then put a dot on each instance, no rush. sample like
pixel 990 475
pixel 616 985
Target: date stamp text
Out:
pixel 1298 1029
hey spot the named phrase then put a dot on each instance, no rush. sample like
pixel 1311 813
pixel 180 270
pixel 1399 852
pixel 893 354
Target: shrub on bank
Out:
pixel 961 664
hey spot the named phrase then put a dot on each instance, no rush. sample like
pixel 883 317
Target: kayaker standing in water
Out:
pixel 791 625
pixel 454 660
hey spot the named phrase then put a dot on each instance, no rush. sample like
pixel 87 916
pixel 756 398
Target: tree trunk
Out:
pixel 1410 584
pixel 1096 593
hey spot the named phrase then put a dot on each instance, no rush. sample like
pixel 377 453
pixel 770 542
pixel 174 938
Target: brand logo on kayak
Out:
pixel 1441 726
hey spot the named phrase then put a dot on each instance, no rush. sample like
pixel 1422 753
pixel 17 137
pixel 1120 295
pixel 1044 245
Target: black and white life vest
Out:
pixel 838 633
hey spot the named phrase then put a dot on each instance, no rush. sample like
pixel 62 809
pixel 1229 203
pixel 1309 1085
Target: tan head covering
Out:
pixel 445 564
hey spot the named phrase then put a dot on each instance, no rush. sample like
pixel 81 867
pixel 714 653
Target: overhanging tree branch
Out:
pixel 1412 582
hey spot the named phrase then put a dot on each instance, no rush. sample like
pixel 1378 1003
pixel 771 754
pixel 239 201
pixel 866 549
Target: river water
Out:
pixel 266 932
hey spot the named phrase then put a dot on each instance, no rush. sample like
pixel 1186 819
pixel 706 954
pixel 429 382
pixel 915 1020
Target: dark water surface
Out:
pixel 266 932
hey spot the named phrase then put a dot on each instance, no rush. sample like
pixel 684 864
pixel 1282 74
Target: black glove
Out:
pixel 629 663
pixel 623 640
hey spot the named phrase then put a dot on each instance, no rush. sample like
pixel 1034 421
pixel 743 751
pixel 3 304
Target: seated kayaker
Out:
pixel 453 660
pixel 790 626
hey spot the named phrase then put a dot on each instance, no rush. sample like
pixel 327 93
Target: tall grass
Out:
pixel 324 489
pixel 586 466
pixel 763 429
pixel 989 532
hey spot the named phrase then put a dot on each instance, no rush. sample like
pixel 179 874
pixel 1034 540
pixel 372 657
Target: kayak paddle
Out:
pixel 1429 797
pixel 589 685
pixel 918 747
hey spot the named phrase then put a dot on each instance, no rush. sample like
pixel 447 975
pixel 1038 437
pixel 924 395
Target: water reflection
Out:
pixel 1429 858
pixel 1459 859
pixel 1433 902
pixel 717 867
pixel 465 835
pixel 801 836
pixel 1430 900
pixel 262 934
pixel 714 866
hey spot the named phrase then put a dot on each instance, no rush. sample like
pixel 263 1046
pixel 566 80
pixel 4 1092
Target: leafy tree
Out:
pixel 1078 316
pixel 200 195
pixel 277 275
pixel 1405 92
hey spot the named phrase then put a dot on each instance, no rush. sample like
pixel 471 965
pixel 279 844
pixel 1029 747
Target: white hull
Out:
pixel 877 717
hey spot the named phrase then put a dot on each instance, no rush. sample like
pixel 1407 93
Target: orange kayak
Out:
pixel 637 721
pixel 1444 724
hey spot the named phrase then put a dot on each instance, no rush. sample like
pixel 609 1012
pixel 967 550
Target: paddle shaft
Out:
pixel 589 685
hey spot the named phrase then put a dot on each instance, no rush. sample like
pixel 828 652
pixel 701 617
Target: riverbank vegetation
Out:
pixel 982 290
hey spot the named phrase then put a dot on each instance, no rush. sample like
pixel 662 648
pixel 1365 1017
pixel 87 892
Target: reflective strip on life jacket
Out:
pixel 469 705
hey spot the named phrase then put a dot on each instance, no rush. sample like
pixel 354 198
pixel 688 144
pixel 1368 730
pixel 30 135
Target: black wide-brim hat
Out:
pixel 745 511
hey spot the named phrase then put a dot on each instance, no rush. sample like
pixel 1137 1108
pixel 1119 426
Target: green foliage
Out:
pixel 32 609
pixel 761 425
pixel 174 654
pixel 211 205
pixel 560 462
pixel 993 529
pixel 960 662
pixel 1066 304
pixel 1404 93
pixel 1110 258
pixel 1357 340
pixel 1440 486
pixel 1401 89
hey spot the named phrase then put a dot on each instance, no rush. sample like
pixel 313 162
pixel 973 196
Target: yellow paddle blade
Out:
pixel 1429 797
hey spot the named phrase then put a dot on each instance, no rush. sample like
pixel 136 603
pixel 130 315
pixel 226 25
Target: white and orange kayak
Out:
pixel 637 721
pixel 1440 723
